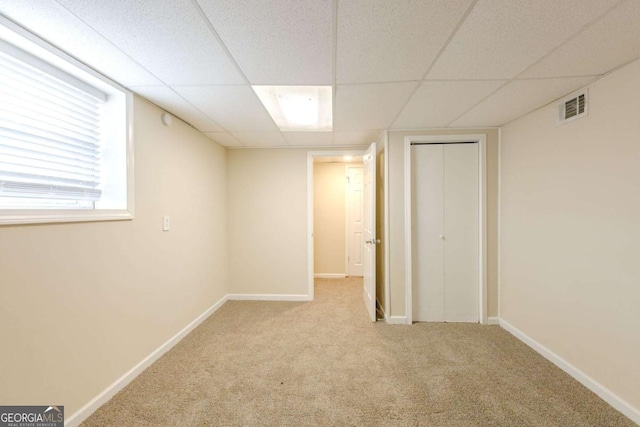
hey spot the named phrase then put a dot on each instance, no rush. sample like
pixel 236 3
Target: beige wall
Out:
pixel 395 182
pixel 329 218
pixel 84 303
pixel 571 232
pixel 267 211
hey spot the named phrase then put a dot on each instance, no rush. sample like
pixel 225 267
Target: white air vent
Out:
pixel 572 107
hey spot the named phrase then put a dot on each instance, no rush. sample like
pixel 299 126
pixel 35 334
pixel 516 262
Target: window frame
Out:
pixel 59 59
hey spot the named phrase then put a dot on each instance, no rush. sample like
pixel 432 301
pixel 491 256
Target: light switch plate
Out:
pixel 165 223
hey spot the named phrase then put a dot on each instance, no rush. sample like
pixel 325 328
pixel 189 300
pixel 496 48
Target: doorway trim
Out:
pixel 310 253
pixel 482 217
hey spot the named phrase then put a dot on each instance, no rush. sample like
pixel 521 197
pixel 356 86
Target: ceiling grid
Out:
pixel 391 65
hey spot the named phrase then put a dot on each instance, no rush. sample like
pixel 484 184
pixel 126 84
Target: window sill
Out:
pixel 15 217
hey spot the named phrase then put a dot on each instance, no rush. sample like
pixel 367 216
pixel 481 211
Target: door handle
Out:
pixel 373 241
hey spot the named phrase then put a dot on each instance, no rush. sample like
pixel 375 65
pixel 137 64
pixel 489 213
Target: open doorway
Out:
pixel 327 214
pixel 354 227
pixel 337 216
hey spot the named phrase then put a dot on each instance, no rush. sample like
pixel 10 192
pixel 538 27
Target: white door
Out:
pixel 355 220
pixel 369 229
pixel 445 213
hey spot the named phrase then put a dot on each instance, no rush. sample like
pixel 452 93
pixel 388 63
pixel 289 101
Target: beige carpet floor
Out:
pixel 323 363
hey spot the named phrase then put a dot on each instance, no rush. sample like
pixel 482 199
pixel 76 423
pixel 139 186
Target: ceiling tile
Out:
pixel 372 106
pixel 235 108
pixel 500 38
pixel 365 137
pixel 45 18
pixel 289 42
pixel 225 139
pixel 165 97
pixel 437 103
pixel 381 40
pixel 592 51
pixel 168 37
pixel 261 139
pixel 309 139
pixel 517 99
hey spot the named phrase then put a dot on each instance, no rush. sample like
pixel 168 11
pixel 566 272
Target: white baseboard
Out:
pixel 267 297
pixel 329 276
pixel 83 413
pixel 493 320
pixel 397 320
pixel 605 394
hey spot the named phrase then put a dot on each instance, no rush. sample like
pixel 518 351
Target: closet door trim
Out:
pixel 480 139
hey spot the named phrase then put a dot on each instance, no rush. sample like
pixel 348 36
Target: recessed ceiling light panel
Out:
pixel 298 108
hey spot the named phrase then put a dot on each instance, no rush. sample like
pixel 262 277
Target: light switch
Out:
pixel 165 223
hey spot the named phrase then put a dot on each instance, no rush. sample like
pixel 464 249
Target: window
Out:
pixel 66 152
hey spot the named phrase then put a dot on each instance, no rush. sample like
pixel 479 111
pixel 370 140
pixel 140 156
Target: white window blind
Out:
pixel 50 135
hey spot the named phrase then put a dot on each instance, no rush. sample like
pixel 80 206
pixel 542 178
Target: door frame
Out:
pixel 310 252
pixel 370 292
pixel 481 139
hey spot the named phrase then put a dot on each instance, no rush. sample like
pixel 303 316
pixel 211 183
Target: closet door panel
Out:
pixel 427 218
pixel 461 197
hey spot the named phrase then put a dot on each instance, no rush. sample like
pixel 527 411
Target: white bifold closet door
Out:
pixel 445 201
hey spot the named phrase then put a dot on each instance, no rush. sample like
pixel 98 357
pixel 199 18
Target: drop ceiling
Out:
pixel 393 64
